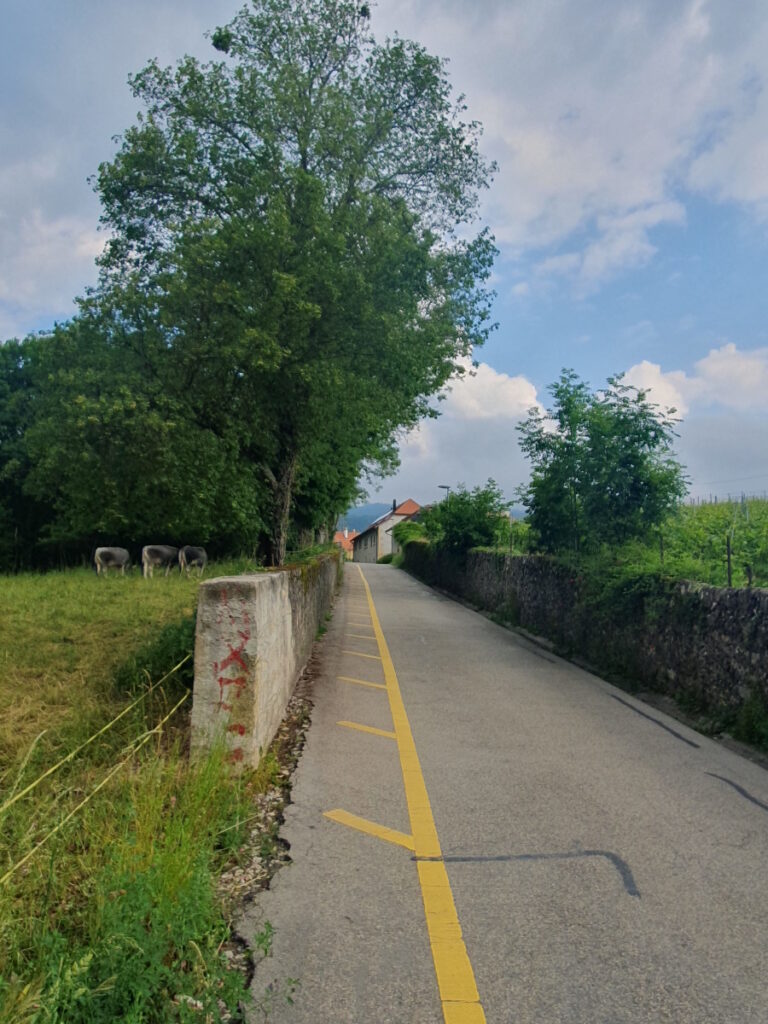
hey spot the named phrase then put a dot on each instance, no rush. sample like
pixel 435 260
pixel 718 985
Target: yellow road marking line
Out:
pixel 371 828
pixel 360 636
pixel 362 682
pixel 368 728
pixel 373 657
pixel 455 977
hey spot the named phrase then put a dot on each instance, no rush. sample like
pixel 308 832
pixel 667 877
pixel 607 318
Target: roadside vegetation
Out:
pixel 605 501
pixel 108 865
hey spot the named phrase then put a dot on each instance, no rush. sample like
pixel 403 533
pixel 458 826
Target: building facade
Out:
pixel 376 540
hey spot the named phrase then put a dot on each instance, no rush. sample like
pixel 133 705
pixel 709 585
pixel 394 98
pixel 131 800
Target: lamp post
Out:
pixel 446 488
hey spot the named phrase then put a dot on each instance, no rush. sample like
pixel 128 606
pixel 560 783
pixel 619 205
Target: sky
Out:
pixel 630 206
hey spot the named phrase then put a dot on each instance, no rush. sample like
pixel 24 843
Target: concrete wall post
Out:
pixel 254 636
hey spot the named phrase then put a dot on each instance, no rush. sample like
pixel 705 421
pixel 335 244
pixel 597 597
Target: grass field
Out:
pixel 109 914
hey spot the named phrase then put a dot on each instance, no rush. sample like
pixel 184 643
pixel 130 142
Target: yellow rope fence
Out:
pixel 145 739
pixel 28 789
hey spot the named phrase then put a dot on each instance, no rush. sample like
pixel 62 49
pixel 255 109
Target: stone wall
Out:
pixel 254 636
pixel 708 645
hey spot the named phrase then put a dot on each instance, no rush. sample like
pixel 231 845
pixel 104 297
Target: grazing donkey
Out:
pixel 156 556
pixel 111 558
pixel 189 556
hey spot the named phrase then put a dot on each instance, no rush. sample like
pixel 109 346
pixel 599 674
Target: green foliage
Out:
pixel 22 518
pixel 603 470
pixel 283 290
pixel 691 544
pixel 385 559
pixel 408 530
pixel 283 258
pixel 468 519
pixel 520 536
pixel 117 917
pixel 695 542
pixel 751 722
pixel 153 930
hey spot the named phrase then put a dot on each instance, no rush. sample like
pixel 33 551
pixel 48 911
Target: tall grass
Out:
pixel 115 916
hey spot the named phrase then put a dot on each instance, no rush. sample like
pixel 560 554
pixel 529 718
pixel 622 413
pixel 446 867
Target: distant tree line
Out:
pixel 282 291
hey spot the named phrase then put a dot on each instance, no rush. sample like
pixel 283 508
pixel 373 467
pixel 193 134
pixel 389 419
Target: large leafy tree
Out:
pixel 284 260
pixel 603 469
pixel 115 459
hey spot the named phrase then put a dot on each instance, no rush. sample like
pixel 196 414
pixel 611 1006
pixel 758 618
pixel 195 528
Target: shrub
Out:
pixel 468 519
pixel 407 531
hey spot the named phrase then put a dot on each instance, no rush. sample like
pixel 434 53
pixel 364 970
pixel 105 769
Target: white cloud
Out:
pixel 484 393
pixel 726 377
pixel 736 379
pixel 474 437
pixel 669 390
pixel 599 113
pixel 44 264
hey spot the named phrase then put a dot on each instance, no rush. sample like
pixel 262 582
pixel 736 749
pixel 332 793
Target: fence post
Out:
pixel 728 555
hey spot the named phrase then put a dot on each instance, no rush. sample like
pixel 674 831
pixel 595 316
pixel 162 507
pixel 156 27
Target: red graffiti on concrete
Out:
pixel 238 682
pixel 239 729
pixel 237 754
pixel 235 657
pixel 236 653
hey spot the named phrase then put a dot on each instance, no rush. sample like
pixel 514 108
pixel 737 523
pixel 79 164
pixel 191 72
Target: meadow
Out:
pixel 108 863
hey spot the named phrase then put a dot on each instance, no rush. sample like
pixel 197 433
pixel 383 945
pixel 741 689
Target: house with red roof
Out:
pixel 343 539
pixel 375 540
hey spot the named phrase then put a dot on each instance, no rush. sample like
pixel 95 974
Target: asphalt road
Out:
pixel 581 857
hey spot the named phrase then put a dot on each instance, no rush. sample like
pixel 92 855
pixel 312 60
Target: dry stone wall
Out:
pixel 254 636
pixel 708 645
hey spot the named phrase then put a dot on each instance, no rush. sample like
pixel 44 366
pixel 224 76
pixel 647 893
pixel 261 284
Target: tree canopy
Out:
pixel 289 278
pixel 603 466
pixel 467 519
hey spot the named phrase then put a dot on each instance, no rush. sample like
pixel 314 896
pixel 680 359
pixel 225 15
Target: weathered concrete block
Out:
pixel 254 636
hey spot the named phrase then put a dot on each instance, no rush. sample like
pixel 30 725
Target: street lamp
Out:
pixel 446 488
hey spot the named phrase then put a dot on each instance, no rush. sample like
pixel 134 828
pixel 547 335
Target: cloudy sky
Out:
pixel 630 207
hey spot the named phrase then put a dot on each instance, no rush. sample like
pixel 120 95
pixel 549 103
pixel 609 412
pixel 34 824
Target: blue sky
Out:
pixel 630 207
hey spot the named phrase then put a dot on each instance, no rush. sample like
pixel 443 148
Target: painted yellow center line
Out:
pixel 455 977
pixel 373 657
pixel 368 728
pixel 362 682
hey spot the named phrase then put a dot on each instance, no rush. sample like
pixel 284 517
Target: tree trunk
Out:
pixel 282 495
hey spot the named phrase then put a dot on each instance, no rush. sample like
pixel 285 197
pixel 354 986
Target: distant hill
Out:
pixel 362 516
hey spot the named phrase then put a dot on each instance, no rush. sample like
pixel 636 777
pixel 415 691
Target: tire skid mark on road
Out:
pixel 739 789
pixel 656 721
pixel 624 870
